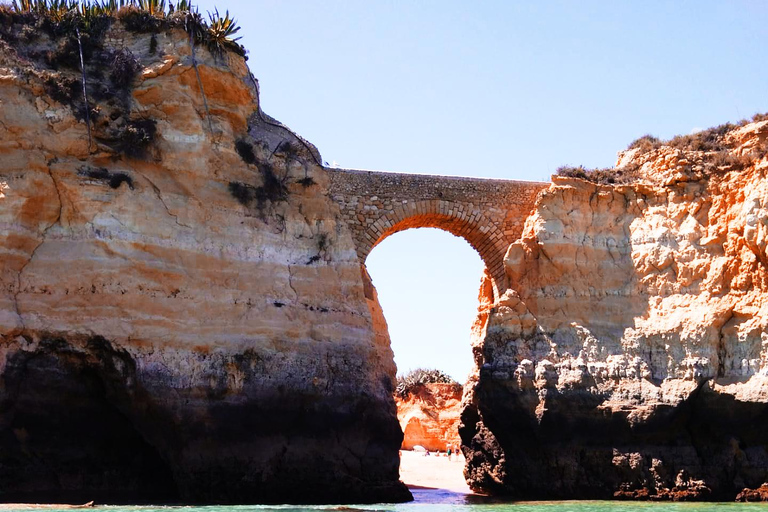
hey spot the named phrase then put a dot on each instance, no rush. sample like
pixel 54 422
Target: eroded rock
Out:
pixel 629 358
pixel 178 321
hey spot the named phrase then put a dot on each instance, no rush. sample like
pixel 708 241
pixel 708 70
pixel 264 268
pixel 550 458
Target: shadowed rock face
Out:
pixel 80 423
pixel 184 320
pixel 629 357
pixel 708 447
pixel 66 433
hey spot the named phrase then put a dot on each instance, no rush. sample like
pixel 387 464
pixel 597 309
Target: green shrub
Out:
pixel 219 32
pixel 605 176
pixel 415 379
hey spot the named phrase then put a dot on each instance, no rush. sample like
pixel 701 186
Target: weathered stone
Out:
pixel 168 329
pixel 429 416
pixel 631 361
pixel 454 204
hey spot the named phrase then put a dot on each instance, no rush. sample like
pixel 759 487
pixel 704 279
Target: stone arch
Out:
pixel 459 219
pixel 488 213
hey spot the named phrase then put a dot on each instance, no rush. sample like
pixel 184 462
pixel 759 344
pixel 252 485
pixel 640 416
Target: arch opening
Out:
pixel 427 285
pixel 481 234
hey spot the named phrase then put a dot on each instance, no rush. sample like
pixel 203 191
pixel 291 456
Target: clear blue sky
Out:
pixel 494 89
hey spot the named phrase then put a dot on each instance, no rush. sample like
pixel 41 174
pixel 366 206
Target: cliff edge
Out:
pixel 182 313
pixel 629 358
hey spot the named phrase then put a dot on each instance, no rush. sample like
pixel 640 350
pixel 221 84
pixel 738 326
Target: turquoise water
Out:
pixel 438 501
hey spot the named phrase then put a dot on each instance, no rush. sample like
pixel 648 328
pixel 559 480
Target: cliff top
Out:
pixel 717 150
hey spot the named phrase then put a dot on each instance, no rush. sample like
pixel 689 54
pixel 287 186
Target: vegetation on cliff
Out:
pixel 414 379
pixel 62 17
pixel 199 301
pixel 64 42
pixel 707 151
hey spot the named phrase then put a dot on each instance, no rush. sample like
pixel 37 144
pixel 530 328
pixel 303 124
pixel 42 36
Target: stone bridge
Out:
pixel 487 213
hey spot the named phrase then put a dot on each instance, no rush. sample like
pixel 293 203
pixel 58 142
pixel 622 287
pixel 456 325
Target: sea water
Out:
pixel 430 500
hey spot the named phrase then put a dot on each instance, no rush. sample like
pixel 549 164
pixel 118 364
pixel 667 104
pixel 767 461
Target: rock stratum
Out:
pixel 429 416
pixel 182 314
pixel 629 358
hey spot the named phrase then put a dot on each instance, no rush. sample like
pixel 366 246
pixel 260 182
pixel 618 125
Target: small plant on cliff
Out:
pixel 414 379
pixel 271 191
pixel 125 66
pixel 57 16
pixel 288 149
pixel 606 176
pixel 219 34
pixel 712 139
pixel 306 181
pixel 274 188
pixel 133 137
pixel 113 179
pixel 646 143
pixel 245 150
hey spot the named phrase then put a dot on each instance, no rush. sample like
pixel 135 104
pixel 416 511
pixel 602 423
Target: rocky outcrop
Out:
pixel 629 357
pixel 429 416
pixel 182 313
pixel 759 494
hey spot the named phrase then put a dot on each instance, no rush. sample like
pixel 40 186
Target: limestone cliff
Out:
pixel 429 416
pixel 629 358
pixel 182 315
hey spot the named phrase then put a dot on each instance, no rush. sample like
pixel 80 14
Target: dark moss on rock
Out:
pixel 113 179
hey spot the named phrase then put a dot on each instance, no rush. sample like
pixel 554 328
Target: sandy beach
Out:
pixel 433 472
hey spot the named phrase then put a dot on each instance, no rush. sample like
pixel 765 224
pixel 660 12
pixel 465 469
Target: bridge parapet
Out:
pixel 487 213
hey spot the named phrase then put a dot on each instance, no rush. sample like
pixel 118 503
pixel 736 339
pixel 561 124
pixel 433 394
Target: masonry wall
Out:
pixel 488 213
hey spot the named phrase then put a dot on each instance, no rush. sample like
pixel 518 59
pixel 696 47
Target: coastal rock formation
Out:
pixel 759 494
pixel 629 358
pixel 429 416
pixel 182 313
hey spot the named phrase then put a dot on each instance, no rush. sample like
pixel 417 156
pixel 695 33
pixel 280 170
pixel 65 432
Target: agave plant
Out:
pixel 110 7
pixel 217 34
pixel 57 9
pixel 220 31
pixel 181 6
pixel 53 8
pixel 194 25
pixel 153 7
pixel 23 5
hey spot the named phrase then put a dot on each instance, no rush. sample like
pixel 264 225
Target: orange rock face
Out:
pixel 185 322
pixel 630 355
pixel 429 417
